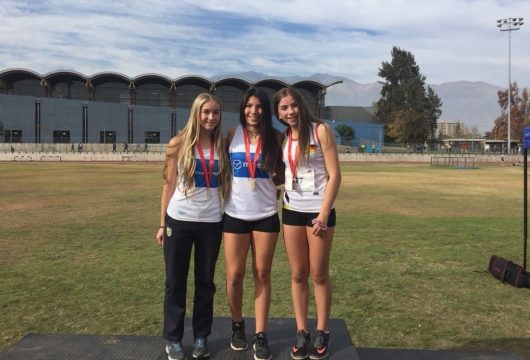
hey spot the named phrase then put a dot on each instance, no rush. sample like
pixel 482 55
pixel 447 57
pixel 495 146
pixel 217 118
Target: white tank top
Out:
pixel 203 204
pixel 305 192
pixel 242 202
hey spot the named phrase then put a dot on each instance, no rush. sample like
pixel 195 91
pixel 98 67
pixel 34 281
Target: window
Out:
pixel 152 137
pixel 61 136
pixel 107 137
pixel 13 136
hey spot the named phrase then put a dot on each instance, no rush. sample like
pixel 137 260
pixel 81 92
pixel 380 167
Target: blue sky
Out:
pixel 451 40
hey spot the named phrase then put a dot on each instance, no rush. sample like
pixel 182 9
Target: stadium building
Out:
pixel 361 119
pixel 108 107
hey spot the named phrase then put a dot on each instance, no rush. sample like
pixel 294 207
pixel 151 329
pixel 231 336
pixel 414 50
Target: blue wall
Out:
pixel 18 113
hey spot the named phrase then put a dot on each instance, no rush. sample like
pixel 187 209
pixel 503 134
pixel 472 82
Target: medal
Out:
pixel 252 165
pixel 292 162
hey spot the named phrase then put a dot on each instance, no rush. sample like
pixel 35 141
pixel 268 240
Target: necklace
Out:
pixel 253 134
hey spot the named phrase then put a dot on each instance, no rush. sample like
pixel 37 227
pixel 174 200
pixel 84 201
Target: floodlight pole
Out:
pixel 509 24
pixel 525 194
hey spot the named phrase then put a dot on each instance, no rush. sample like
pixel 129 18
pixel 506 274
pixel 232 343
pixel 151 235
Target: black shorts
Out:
pixel 296 218
pixel 234 225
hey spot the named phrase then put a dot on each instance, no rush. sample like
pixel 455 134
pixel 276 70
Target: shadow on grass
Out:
pixel 519 346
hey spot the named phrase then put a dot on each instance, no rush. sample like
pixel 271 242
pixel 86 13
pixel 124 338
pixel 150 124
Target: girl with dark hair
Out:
pixel 196 173
pixel 312 180
pixel 251 216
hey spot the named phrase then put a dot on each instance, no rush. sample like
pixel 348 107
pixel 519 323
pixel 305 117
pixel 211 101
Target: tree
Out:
pixel 464 132
pixel 519 115
pixel 474 132
pixel 407 108
pixel 433 109
pixel 346 133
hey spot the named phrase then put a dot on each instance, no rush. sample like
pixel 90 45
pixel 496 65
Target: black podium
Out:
pixel 280 333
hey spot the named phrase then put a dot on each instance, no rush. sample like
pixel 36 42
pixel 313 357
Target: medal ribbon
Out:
pixel 207 173
pixel 251 165
pixel 292 162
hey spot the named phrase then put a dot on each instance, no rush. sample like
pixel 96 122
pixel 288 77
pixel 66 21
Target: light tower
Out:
pixel 510 24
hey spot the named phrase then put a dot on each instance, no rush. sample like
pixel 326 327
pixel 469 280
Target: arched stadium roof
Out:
pixel 21 73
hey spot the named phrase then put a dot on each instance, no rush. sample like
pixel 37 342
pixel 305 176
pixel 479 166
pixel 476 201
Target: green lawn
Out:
pixel 412 244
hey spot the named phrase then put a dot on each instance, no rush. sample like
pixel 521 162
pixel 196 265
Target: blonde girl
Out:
pixel 196 174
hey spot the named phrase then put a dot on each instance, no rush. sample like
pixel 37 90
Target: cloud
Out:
pixel 451 40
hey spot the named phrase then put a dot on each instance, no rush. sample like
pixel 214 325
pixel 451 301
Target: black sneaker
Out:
pixel 319 348
pixel 175 351
pixel 239 339
pixel 301 349
pixel 261 348
pixel 200 348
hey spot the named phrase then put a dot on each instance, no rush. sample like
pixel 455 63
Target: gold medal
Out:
pixel 252 164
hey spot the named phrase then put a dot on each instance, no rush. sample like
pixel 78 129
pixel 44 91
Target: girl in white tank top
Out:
pixel 196 172
pixel 251 215
pixel 312 180
pixel 253 195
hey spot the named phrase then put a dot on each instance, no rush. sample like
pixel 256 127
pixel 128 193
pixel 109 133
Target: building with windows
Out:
pixel 69 107
pixel 361 119
pixel 446 128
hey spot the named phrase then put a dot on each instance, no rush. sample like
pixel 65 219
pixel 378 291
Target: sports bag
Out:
pixel 508 272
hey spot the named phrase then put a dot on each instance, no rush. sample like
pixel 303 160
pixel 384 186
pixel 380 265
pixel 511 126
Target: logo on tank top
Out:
pixel 237 164
pixel 240 166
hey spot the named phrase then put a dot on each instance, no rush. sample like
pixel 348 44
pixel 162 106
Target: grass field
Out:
pixel 412 244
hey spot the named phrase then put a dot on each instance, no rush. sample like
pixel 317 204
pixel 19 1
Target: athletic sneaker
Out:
pixel 301 349
pixel 175 351
pixel 200 348
pixel 239 339
pixel 261 348
pixel 319 348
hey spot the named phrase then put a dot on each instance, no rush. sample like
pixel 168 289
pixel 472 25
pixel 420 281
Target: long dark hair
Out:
pixel 305 117
pixel 270 148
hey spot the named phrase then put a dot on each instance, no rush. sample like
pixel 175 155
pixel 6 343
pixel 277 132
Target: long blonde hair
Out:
pixel 189 137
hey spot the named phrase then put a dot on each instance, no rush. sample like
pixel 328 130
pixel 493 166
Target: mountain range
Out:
pixel 471 103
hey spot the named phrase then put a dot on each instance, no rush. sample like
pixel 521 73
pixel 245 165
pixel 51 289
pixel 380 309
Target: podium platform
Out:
pixel 280 334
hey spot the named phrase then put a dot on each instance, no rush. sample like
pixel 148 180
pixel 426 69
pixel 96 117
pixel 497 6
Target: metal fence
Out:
pixel 460 162
pixel 80 147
